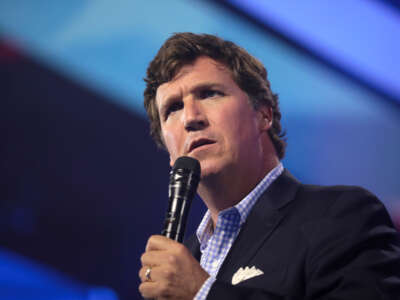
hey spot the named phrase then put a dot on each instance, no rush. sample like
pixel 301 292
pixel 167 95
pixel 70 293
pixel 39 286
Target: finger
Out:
pixel 148 289
pixel 159 242
pixel 159 273
pixel 142 273
pixel 149 277
pixel 155 273
pixel 155 258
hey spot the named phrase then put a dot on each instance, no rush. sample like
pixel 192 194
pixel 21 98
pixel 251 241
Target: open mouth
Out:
pixel 199 143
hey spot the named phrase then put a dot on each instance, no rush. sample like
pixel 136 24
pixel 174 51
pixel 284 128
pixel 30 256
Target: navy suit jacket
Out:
pixel 312 242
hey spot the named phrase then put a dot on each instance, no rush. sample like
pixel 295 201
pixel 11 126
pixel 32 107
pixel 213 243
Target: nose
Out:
pixel 194 118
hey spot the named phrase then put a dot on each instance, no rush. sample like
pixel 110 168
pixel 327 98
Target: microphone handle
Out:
pixel 175 221
pixel 182 189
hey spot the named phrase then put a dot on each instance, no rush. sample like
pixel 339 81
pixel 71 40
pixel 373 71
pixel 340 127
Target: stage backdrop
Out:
pixel 82 184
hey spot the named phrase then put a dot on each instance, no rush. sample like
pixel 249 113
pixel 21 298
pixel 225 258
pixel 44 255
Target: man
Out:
pixel 265 235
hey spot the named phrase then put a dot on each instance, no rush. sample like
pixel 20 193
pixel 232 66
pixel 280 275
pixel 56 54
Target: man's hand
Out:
pixel 175 273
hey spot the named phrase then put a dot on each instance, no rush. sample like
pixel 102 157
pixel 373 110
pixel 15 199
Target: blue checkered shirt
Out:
pixel 215 244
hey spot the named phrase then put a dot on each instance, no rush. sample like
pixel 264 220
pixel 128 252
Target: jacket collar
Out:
pixel 265 216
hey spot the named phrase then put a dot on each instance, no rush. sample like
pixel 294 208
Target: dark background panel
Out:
pixel 82 183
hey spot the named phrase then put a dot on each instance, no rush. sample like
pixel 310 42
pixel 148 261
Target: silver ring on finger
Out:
pixel 147 274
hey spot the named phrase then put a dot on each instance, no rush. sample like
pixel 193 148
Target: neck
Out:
pixel 224 190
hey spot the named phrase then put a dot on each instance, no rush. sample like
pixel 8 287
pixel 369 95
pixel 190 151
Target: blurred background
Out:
pixel 83 185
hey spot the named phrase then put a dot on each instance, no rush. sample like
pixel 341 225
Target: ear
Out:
pixel 265 114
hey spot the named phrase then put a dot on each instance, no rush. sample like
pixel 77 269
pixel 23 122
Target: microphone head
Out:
pixel 187 163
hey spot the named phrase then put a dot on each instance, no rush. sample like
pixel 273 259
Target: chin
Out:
pixel 210 168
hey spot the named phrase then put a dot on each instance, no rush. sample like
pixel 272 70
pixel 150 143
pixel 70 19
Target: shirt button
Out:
pixel 215 263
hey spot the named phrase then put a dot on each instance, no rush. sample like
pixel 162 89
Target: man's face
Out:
pixel 205 115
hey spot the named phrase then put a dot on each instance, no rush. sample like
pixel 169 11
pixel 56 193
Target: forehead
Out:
pixel 202 70
pixel 201 65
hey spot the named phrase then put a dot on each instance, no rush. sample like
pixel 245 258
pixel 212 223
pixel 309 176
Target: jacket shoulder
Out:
pixel 331 200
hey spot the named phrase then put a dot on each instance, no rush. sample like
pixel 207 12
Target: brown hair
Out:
pixel 247 71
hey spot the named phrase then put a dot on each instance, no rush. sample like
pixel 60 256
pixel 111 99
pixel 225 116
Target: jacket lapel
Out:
pixel 264 217
pixel 192 243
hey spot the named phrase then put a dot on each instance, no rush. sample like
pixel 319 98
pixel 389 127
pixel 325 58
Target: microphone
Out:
pixel 183 181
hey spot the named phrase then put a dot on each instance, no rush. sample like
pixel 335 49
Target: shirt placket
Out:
pixel 220 241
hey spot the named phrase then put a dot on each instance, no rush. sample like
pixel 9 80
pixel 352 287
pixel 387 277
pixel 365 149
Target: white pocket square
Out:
pixel 246 273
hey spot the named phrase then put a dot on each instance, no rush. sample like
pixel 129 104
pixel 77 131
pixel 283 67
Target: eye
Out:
pixel 209 93
pixel 172 108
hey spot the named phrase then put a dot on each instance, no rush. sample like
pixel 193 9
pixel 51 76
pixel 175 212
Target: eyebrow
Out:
pixel 195 89
pixel 198 87
pixel 206 85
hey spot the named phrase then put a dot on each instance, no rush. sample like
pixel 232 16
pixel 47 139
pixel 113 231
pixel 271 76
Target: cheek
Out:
pixel 233 123
pixel 241 129
pixel 172 142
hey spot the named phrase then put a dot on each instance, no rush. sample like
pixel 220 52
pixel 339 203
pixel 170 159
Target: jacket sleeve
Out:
pixel 354 251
